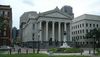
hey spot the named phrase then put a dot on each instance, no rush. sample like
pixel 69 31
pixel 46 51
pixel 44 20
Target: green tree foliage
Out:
pixel 95 32
pixel 1 22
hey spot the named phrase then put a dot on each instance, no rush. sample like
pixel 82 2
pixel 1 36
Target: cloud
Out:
pixel 29 2
pixel 79 6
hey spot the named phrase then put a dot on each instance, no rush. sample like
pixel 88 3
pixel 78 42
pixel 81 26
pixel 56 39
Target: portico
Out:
pixel 54 30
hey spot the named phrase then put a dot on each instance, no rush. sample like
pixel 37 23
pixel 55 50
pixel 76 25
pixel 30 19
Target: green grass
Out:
pixel 2 52
pixel 35 55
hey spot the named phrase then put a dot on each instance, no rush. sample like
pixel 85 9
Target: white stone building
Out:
pixel 82 25
pixel 51 25
pixel 46 26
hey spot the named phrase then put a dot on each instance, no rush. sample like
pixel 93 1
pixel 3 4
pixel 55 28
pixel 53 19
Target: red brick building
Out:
pixel 5 25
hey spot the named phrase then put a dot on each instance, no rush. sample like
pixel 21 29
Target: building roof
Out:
pixel 5 7
pixel 53 11
pixel 86 17
pixel 26 15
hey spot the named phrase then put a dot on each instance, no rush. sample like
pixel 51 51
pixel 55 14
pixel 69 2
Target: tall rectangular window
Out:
pixel 1 13
pixel 97 25
pixel 86 30
pixel 33 26
pixel 4 33
pixel 82 25
pixel 93 25
pixel 83 30
pixel 86 24
pixel 6 13
pixel 90 25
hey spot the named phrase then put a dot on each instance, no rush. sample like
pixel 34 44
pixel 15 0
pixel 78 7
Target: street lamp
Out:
pixel 94 44
pixel 38 42
pixel 33 44
pixel 97 43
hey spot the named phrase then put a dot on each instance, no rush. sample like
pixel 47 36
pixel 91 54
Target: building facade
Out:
pixel 48 28
pixel 6 25
pixel 81 25
pixel 15 35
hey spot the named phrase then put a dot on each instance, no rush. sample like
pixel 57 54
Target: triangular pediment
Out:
pixel 56 14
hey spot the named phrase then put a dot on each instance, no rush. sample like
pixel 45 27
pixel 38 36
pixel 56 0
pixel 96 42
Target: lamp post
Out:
pixel 38 46
pixel 97 43
pixel 94 44
pixel 33 44
pixel 38 42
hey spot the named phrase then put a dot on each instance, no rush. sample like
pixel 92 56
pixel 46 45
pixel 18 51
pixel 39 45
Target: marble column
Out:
pixel 65 30
pixel 53 30
pixel 47 30
pixel 40 30
pixel 59 31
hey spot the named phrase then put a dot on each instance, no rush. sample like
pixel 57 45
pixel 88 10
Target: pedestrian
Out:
pixel 19 50
pixel 10 51
pixel 81 51
pixel 27 51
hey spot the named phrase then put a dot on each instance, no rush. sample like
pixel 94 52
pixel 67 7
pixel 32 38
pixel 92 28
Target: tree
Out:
pixel 1 26
pixel 1 22
pixel 94 34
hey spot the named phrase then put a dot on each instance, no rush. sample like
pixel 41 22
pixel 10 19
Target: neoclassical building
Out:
pixel 47 27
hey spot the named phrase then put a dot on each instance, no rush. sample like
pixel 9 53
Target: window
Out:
pixel 72 27
pixel 83 30
pixel 80 37
pixel 78 26
pixel 5 28
pixel 86 24
pixel 4 33
pixel 6 13
pixel 77 37
pixel 93 25
pixel 78 31
pixel 86 42
pixel 97 25
pixel 86 30
pixel 1 13
pixel 33 26
pixel 83 42
pixel 82 25
pixel 90 25
pixel 83 37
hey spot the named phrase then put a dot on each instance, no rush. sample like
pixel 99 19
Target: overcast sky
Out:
pixel 79 7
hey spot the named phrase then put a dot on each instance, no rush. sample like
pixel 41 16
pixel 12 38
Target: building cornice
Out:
pixel 85 20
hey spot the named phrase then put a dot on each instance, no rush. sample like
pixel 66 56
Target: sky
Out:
pixel 79 7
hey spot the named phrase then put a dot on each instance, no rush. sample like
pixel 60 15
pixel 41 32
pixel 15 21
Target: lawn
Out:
pixel 35 55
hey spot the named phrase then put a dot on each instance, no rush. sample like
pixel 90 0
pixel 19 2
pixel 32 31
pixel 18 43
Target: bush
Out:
pixel 53 50
pixel 66 50
pixel 73 50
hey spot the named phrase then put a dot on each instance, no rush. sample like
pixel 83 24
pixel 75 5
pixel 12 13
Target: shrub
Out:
pixel 73 50
pixel 66 50
pixel 53 50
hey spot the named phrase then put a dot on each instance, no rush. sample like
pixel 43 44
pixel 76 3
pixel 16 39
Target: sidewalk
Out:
pixel 23 50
